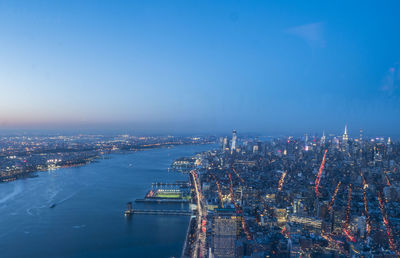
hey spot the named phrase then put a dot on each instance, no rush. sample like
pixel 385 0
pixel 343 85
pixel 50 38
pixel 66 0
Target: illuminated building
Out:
pixel 224 232
pixel 281 216
pixel 234 139
pixel 306 142
pixel 389 146
pixel 345 136
pixel 255 148
pixel 306 222
pixel 323 138
pixel 225 146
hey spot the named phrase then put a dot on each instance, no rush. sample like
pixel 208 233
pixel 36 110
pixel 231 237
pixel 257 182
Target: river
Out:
pixel 87 220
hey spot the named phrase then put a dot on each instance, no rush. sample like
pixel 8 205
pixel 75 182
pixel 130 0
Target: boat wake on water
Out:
pixel 17 189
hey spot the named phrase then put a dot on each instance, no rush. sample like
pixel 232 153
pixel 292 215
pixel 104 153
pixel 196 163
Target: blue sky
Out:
pixel 201 66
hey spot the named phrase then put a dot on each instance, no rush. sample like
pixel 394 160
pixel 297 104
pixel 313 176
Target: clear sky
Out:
pixel 201 66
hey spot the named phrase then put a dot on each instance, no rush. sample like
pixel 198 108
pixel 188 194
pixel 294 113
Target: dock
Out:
pixel 159 212
pixel 178 193
pixel 177 183
pixel 163 200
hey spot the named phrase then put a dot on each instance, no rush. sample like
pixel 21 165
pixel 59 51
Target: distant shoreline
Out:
pixel 89 160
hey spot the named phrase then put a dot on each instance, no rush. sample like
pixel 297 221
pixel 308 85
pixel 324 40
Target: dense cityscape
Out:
pixel 296 197
pixel 199 129
pixel 254 196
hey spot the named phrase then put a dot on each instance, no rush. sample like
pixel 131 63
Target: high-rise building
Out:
pixel 224 232
pixel 225 145
pixel 389 147
pixel 306 147
pixel 234 139
pixel 345 136
pixel 323 138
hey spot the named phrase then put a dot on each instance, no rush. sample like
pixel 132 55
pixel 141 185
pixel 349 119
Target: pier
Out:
pixel 159 212
pixel 178 183
pixel 164 200
pixel 178 193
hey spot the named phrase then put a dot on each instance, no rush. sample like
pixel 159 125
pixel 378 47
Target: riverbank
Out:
pixel 87 220
pixel 32 172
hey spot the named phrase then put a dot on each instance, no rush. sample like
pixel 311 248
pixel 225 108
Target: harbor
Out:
pixel 163 193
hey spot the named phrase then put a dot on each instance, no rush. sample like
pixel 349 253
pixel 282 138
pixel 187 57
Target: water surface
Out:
pixel 87 220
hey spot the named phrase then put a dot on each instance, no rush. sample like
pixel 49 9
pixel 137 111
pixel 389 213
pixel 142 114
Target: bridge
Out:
pixel 159 212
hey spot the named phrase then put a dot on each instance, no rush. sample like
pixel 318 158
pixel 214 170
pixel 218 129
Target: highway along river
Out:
pixel 78 212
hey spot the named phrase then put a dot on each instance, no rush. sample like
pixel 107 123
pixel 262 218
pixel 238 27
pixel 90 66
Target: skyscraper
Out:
pixel 345 136
pixel 234 139
pixel 306 142
pixel 225 146
pixel 389 147
pixel 323 138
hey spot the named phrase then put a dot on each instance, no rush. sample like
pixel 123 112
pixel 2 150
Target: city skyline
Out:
pixel 203 68
pixel 199 128
pixel 241 196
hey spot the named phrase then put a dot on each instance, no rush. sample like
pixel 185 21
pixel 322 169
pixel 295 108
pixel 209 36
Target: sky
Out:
pixel 283 67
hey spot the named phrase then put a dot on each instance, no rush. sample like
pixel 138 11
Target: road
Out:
pixel 199 249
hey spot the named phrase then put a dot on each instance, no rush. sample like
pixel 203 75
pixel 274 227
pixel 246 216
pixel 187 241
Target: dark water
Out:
pixel 88 220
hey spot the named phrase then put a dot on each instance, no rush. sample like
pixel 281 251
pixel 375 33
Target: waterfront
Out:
pixel 87 219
